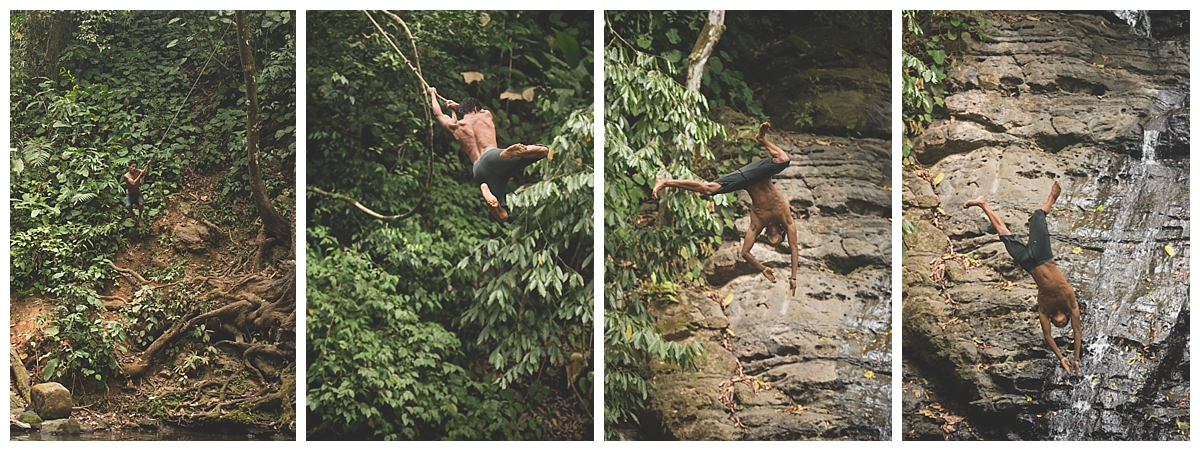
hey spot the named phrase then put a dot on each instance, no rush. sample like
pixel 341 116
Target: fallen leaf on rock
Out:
pixel 1170 250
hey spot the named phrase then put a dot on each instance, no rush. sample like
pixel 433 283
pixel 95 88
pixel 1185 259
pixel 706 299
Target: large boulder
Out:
pixel 51 401
pixel 191 236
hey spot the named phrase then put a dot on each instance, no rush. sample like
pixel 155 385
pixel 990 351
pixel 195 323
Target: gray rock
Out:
pixel 64 426
pixel 973 347
pixel 51 401
pixel 191 236
pixel 817 363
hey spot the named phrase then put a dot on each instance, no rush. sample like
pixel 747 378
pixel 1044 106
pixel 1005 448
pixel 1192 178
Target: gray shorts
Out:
pixel 132 199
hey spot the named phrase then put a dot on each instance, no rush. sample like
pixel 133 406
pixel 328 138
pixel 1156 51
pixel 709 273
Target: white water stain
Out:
pixel 1149 143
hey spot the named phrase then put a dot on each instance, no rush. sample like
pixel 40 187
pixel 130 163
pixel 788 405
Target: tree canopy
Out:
pixel 443 324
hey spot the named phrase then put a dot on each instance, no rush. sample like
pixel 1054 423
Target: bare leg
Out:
pixel 991 215
pixel 777 154
pixel 521 150
pixel 1055 190
pixel 493 204
pixel 690 185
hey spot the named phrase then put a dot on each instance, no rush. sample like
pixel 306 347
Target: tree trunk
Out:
pixel 47 34
pixel 709 35
pixel 273 225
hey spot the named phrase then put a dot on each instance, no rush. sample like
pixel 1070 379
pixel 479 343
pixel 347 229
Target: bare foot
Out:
pixel 1055 190
pixel 512 151
pixel 762 131
pixel 659 183
pixel 488 196
pixel 976 202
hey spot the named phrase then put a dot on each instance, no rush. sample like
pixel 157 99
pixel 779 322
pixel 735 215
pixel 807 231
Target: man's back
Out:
pixel 476 133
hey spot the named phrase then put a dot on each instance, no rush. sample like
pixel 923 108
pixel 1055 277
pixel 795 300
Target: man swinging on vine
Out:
pixel 476 133
pixel 768 210
pixel 133 189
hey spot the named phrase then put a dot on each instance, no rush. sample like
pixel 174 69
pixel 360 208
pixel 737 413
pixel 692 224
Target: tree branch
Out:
pixel 360 206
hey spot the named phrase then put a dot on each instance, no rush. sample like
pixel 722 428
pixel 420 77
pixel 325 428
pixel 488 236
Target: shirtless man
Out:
pixel 1055 298
pixel 768 210
pixel 133 188
pixel 476 133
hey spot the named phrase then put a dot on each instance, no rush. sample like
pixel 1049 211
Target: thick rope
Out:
pixel 189 94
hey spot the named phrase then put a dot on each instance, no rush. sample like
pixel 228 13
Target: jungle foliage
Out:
pixel 649 117
pixel 92 91
pixel 925 58
pixel 444 324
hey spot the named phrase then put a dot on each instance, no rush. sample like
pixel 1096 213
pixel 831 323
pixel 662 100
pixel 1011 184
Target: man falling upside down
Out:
pixel 476 133
pixel 1055 298
pixel 768 210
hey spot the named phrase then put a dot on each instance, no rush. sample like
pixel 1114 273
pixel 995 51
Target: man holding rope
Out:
pixel 133 189
pixel 476 133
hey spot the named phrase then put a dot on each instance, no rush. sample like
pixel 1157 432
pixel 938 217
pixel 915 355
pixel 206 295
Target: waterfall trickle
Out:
pixel 1149 143
pixel 1132 292
pixel 1138 20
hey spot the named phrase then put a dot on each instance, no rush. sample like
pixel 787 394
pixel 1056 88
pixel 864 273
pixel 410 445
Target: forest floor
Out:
pixel 210 345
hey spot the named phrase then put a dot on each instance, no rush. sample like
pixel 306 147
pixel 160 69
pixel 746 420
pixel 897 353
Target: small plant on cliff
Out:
pixel 924 62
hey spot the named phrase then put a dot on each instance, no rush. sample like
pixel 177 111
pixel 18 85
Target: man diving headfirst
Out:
pixel 1055 298
pixel 476 133
pixel 768 210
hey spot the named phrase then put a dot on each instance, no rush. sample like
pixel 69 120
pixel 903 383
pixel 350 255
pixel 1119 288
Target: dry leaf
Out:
pixel 527 94
pixel 484 18
pixel 728 299
pixel 821 142
pixel 510 96
pixel 629 332
pixel 1076 250
pixel 869 374
pixel 472 77
pixel 938 179
pixel 1170 250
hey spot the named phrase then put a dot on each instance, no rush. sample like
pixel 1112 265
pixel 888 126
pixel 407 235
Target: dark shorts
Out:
pixel 1031 255
pixel 750 174
pixel 496 171
pixel 132 199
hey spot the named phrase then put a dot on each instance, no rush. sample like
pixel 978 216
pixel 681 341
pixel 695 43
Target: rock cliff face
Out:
pixel 1086 100
pixel 816 365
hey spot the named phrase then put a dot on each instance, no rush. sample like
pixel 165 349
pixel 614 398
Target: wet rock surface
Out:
pixel 1026 110
pixel 816 365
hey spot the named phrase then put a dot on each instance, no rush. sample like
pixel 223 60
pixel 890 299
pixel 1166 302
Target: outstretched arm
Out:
pixel 791 237
pixel 748 243
pixel 448 122
pixel 1050 340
